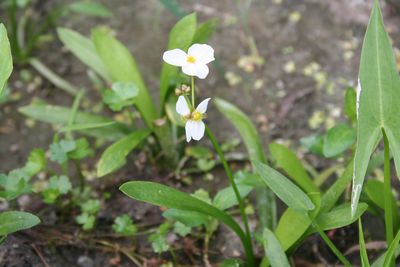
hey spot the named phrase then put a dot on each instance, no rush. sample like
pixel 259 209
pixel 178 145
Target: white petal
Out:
pixel 175 57
pixel 202 52
pixel 198 129
pixel 189 69
pixel 182 106
pixel 202 107
pixel 201 70
pixel 188 130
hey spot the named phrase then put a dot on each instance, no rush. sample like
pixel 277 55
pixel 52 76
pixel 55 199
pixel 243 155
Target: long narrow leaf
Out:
pixel 274 251
pixel 6 64
pixel 363 250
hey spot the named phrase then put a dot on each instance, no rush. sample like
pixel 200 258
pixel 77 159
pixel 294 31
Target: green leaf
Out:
pixel 180 37
pixel 82 149
pixel 189 218
pixel 115 155
pixel 92 206
pixel 161 195
pixel 122 67
pixel 124 225
pixel 121 95
pixel 314 143
pixel 338 139
pixel 339 217
pixel 380 87
pixel 363 250
pixel 288 161
pixel 266 203
pixel 90 8
pixel 36 162
pixel 60 115
pixel 83 49
pixel 85 126
pixel 181 229
pixel 273 250
pixel 391 250
pixel 13 221
pixel 14 184
pixel 6 64
pixel 198 152
pixel 58 185
pixel 288 192
pixel 226 197
pixel 204 31
pixel 59 151
pixel 350 100
pixel 87 221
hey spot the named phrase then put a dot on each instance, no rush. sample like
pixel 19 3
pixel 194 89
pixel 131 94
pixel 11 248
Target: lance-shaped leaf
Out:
pixel 161 195
pixel 276 255
pixel 13 221
pixel 379 87
pixel 363 249
pixel 6 65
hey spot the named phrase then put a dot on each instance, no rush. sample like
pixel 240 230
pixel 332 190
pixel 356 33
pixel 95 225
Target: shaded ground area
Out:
pixel 310 50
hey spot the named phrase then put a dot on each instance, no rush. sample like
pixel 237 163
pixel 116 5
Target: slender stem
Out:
pixel 387 195
pixel 332 246
pixel 193 103
pixel 234 186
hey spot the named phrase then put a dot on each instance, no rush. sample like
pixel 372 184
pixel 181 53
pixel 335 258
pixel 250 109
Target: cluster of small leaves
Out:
pixel 89 210
pixel 124 225
pixel 121 95
pixel 57 185
pixel 66 149
pixel 158 240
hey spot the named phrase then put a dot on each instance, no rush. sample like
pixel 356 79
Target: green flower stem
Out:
pixel 387 189
pixel 332 246
pixel 248 246
pixel 193 103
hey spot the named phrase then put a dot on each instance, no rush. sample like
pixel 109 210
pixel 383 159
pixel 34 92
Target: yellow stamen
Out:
pixel 191 59
pixel 197 116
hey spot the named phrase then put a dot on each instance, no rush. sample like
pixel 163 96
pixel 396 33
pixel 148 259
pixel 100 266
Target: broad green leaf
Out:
pixel 338 217
pixel 338 139
pixel 13 221
pixel 350 107
pixel 180 37
pixel 379 88
pixel 273 249
pixel 390 253
pixel 85 126
pixel 266 203
pixel 122 67
pixel 226 197
pixel 90 8
pixel 161 195
pixel 363 249
pixel 189 218
pixel 287 191
pixel 60 115
pixel 115 155
pixel 204 31
pixel 288 161
pixel 83 49
pixel 291 227
pixel 6 64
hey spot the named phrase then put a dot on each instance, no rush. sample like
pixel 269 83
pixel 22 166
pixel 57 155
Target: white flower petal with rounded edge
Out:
pixel 201 70
pixel 188 130
pixel 202 107
pixel 182 107
pixel 189 69
pixel 203 53
pixel 175 57
pixel 197 131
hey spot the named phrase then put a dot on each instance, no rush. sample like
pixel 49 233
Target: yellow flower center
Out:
pixel 191 59
pixel 197 116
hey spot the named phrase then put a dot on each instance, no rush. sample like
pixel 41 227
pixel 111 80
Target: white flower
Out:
pixel 194 62
pixel 194 119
